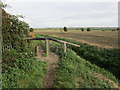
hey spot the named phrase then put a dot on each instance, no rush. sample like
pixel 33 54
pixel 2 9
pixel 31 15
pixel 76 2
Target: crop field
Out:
pixel 57 59
pixel 103 39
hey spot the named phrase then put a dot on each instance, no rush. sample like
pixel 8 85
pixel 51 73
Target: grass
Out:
pixel 28 73
pixel 75 72
pixel 103 39
pixel 73 29
pixel 105 58
pixel 21 70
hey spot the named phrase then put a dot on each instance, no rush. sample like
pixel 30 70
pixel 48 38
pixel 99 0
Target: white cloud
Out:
pixel 44 14
pixel 62 0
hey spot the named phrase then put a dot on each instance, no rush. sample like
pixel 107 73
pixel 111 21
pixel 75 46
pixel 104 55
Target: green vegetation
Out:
pixel 77 29
pixel 105 58
pixel 75 72
pixel 82 29
pixel 19 68
pixel 25 74
pixel 108 59
pixel 88 29
pixel 65 29
pixel 31 30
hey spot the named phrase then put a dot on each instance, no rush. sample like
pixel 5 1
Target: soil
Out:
pixel 103 78
pixel 103 39
pixel 52 60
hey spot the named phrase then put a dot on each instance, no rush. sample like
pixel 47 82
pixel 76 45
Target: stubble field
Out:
pixel 103 39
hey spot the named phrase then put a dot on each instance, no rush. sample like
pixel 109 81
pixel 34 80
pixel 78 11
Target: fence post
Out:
pixel 65 47
pixel 56 49
pixel 47 46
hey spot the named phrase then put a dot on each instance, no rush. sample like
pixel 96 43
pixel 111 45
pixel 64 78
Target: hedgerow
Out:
pixel 25 74
pixel 108 59
pixel 19 68
pixel 75 72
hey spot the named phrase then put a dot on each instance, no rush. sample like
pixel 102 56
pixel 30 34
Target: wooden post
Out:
pixel 36 50
pixel 47 46
pixel 56 49
pixel 65 47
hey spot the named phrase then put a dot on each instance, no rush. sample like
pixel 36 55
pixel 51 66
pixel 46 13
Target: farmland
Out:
pixel 31 60
pixel 103 39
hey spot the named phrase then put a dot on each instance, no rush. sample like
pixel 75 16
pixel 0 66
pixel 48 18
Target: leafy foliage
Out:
pixel 105 58
pixel 65 29
pixel 13 32
pixel 19 69
pixel 82 29
pixel 88 29
pixel 31 30
pixel 26 72
pixel 75 72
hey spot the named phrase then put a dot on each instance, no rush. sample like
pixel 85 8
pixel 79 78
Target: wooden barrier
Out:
pixel 47 46
pixel 56 40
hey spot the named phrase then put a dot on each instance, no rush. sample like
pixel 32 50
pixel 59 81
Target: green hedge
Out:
pixel 75 72
pixel 108 59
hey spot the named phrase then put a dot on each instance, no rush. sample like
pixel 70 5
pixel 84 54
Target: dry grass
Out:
pixel 104 39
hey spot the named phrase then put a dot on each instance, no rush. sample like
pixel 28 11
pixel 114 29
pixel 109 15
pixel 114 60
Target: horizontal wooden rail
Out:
pixel 64 42
pixel 56 40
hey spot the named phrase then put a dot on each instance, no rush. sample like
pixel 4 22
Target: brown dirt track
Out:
pixel 103 39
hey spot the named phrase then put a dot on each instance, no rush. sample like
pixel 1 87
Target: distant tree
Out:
pixel 112 30
pixel 77 28
pixel 65 29
pixel 118 28
pixel 88 29
pixel 82 29
pixel 31 30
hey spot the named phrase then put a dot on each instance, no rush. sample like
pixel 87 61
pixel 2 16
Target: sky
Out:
pixel 70 13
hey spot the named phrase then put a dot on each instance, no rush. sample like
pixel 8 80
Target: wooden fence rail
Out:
pixel 56 40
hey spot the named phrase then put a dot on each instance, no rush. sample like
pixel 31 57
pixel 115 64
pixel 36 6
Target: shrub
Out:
pixel 88 29
pixel 65 29
pixel 73 72
pixel 31 30
pixel 28 70
pixel 82 29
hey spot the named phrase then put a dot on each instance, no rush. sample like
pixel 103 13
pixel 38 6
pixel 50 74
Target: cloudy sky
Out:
pixel 59 13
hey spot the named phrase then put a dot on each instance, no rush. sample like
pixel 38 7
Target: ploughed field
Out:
pixel 103 39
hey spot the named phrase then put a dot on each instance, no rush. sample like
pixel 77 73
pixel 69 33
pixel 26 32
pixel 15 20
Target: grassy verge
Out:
pixel 21 70
pixel 27 73
pixel 108 59
pixel 75 72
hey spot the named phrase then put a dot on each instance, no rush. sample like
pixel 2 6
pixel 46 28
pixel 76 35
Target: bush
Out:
pixel 105 58
pixel 28 70
pixel 31 30
pixel 65 29
pixel 88 29
pixel 82 29
pixel 73 72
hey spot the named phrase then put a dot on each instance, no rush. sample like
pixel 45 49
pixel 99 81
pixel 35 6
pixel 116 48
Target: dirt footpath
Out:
pixel 52 60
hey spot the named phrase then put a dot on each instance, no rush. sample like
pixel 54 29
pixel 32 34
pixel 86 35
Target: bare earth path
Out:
pixel 52 61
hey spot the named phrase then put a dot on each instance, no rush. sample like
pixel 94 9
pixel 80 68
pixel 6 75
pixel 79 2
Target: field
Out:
pixel 103 39
pixel 36 63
